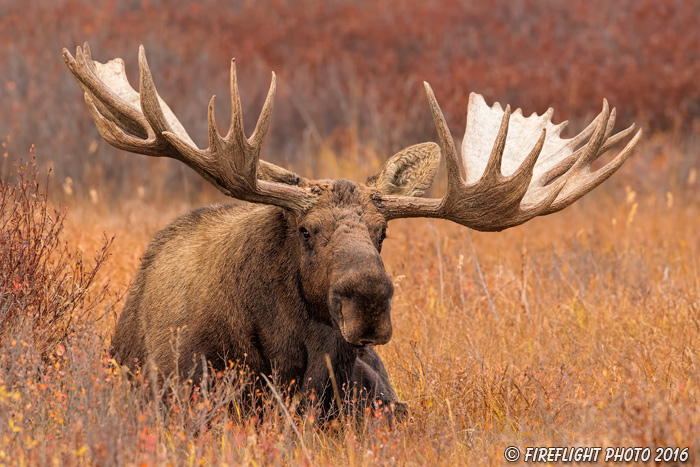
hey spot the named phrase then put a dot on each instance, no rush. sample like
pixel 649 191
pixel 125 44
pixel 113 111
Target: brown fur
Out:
pixel 242 283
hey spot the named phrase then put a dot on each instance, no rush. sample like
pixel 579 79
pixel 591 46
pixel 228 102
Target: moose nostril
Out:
pixel 366 342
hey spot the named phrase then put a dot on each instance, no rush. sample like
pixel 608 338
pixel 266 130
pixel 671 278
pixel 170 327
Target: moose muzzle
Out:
pixel 360 304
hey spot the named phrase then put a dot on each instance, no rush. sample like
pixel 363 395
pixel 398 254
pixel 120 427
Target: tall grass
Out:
pixel 575 329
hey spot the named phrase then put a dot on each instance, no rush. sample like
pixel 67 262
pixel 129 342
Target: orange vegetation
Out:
pixel 577 329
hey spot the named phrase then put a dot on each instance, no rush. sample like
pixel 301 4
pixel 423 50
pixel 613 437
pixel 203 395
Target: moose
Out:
pixel 292 278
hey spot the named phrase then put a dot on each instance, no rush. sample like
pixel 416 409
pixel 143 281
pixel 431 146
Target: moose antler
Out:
pixel 143 123
pixel 532 185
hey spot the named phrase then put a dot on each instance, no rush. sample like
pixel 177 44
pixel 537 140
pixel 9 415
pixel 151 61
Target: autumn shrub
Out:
pixel 349 73
pixel 45 287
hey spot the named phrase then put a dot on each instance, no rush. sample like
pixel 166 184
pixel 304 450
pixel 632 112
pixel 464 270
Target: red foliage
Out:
pixel 44 286
pixel 352 65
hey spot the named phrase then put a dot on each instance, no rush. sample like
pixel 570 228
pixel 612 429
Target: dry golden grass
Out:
pixel 580 328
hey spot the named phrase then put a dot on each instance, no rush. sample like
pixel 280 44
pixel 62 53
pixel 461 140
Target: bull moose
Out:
pixel 294 276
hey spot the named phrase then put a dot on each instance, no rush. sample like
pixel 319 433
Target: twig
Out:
pixel 481 277
pixel 335 388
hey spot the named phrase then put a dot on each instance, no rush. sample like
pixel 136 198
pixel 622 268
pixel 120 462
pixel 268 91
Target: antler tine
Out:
pixel 265 115
pixel 611 123
pixel 493 168
pixel 584 181
pixel 107 102
pixel 88 56
pixel 579 141
pixel 236 131
pixel 523 175
pixel 215 140
pixel 598 138
pixel 150 105
pixel 586 154
pixel 447 144
pixel 616 138
pixel 563 167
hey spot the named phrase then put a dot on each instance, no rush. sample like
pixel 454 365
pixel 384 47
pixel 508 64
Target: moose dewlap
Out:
pixel 296 275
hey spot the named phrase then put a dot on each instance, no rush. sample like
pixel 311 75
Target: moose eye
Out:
pixel 305 233
pixel 381 239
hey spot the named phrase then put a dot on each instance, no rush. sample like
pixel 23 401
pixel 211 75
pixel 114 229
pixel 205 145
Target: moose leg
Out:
pixel 369 373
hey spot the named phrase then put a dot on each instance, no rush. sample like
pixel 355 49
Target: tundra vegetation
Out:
pixel 577 328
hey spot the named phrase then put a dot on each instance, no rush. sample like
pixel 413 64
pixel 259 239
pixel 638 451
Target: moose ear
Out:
pixel 408 172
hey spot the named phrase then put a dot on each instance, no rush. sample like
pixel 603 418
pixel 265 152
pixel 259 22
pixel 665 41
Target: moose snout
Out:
pixel 362 309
